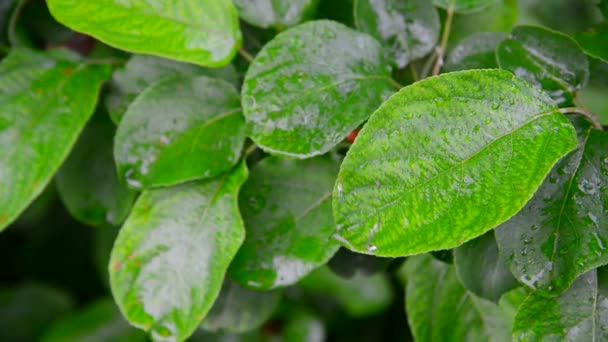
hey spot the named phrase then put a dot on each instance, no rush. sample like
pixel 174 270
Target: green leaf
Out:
pixel 511 301
pixel 360 296
pixel 277 13
pixel 593 41
pixel 141 71
pixel 603 5
pixel 87 182
pixel 311 86
pixel 238 309
pixel 178 242
pixel 408 29
pixel 160 141
pixel 304 327
pixel 481 270
pixel 26 311
pixel 98 322
pixel 445 160
pixel 463 6
pixel 286 207
pixel 5 14
pixel 562 230
pixel 475 52
pixel 46 101
pixel 204 32
pixel 440 309
pixel 579 314
pixel 498 17
pixel 547 59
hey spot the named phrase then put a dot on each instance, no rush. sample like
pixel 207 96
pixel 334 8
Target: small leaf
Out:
pixel 481 270
pixel 277 13
pixel 562 232
pixel 178 242
pixel 161 141
pixel 445 160
pixel 463 6
pixel 87 182
pixel 98 322
pixel 46 100
pixel 141 71
pixel 238 309
pixel 594 42
pixel 477 51
pixel 549 60
pixel 408 29
pixel 286 207
pixel 311 86
pixel 440 309
pixel 204 32
pixel 578 314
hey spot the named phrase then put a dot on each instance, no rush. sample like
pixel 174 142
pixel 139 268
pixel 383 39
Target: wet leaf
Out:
pixel 311 86
pixel 440 309
pixel 46 100
pixel 98 322
pixel 478 51
pixel 408 29
pixel 178 242
pixel 141 71
pixel 277 13
pixel 463 150
pixel 204 32
pixel 579 314
pixel 87 181
pixel 463 6
pixel 594 41
pixel 238 309
pixel 481 270
pixel 563 231
pixel 549 60
pixel 160 141
pixel 286 207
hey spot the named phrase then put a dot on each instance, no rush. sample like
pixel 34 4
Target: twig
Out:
pixel 588 115
pixel 246 55
pixel 444 41
pixel 12 24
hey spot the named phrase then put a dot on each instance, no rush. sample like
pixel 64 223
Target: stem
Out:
pixel 394 83
pixel 444 41
pixel 588 115
pixel 414 74
pixel 249 150
pixel 12 24
pixel 246 55
pixel 426 68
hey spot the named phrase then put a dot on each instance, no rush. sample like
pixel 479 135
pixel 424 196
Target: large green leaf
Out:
pixel 594 41
pixel 408 29
pixel 277 13
pixel 46 101
pixel 445 160
pixel 87 182
pixel 238 309
pixel 481 270
pixel 161 141
pixel 204 32
pixel 311 86
pixel 563 231
pixel 440 309
pixel 286 206
pixel 580 314
pixel 463 6
pixel 98 322
pixel 141 71
pixel 547 59
pixel 475 52
pixel 170 257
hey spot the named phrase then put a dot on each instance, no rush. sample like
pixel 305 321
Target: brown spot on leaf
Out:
pixel 3 218
pixel 67 71
pixel 117 265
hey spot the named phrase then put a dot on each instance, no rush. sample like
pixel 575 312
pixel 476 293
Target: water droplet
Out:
pixel 476 128
pixel 377 183
pixel 587 187
pixel 527 241
pixel 495 105
pixel 164 140
pixel 593 218
pixel 371 248
pixel 487 121
pixel 524 252
pixel 406 222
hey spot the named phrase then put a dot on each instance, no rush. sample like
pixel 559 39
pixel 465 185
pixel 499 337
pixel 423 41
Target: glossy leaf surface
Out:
pixel 178 242
pixel 408 29
pixel 594 41
pixel 46 100
pixel 277 13
pixel 238 309
pixel 548 59
pixel 87 182
pixel 98 322
pixel 463 6
pixel 311 86
pixel 563 231
pixel 579 314
pixel 478 51
pixel 481 270
pixel 463 150
pixel 204 32
pixel 161 141
pixel 286 207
